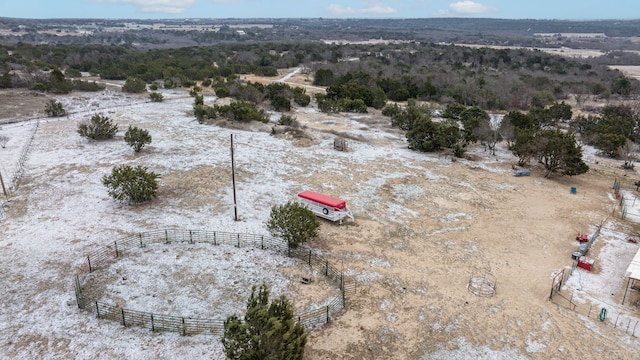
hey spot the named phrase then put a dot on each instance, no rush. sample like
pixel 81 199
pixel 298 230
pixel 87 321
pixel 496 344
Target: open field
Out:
pixel 424 225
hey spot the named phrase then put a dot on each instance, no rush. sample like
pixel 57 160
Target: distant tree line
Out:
pixel 499 79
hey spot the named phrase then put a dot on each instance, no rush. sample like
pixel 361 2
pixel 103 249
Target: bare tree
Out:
pixel 488 134
pixel 628 152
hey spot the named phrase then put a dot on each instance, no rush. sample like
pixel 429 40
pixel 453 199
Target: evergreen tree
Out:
pixel 54 109
pixel 137 138
pixel 99 127
pixel 293 222
pixel 156 96
pixel 268 331
pixel 134 85
pixel 131 184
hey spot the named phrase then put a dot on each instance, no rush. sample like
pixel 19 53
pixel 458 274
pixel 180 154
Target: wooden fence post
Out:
pixel 327 314
pixel 97 310
pixel 184 330
pixel 89 262
pixel 153 327
pixel 76 286
pixel 115 245
pixel 4 190
pixel 123 320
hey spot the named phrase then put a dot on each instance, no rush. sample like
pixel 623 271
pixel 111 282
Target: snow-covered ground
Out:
pixel 58 210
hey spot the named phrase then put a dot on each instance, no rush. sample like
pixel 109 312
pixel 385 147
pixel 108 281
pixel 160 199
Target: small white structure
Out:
pixel 325 206
pixel 633 273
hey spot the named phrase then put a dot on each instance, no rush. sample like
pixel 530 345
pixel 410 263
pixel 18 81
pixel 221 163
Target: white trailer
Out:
pixel 325 206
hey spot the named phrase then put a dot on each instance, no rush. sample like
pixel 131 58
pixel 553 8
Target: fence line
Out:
pixel 624 323
pixel 630 186
pixel 11 184
pixel 107 255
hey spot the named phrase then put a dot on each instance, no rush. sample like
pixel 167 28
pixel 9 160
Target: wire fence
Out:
pixel 9 185
pixel 109 254
pixel 626 323
pixel 620 321
pixel 626 192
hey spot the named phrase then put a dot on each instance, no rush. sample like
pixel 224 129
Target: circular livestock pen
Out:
pixel 482 285
pixel 103 258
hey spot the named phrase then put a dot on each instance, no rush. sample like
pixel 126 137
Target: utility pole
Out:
pixel 233 178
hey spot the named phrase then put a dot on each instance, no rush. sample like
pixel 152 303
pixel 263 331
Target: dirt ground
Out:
pixel 468 218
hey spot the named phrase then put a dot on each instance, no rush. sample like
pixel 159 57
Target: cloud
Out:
pixel 370 8
pixel 154 6
pixel 468 7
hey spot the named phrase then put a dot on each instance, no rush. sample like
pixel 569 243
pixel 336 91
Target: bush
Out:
pixel 156 97
pixel 99 127
pixel 137 138
pixel 80 85
pixel 75 73
pixel 195 91
pixel 288 120
pixel 293 222
pixel 281 103
pixel 134 85
pixel 131 184
pixel 269 330
pixel 54 109
pixel 302 99
pixel 222 92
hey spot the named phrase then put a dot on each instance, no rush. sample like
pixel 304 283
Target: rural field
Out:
pixel 425 224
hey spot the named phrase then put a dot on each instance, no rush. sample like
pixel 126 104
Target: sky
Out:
pixel 165 9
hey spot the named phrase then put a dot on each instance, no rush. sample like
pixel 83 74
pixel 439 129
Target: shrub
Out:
pixel 54 109
pixel 156 97
pixel 131 184
pixel 302 99
pixel 281 103
pixel 137 138
pixel 134 85
pixel 195 91
pixel 288 120
pixel 222 92
pixel 80 85
pixel 99 127
pixel 75 73
pixel 293 222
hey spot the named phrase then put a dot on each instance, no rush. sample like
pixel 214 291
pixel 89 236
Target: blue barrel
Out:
pixel 574 190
